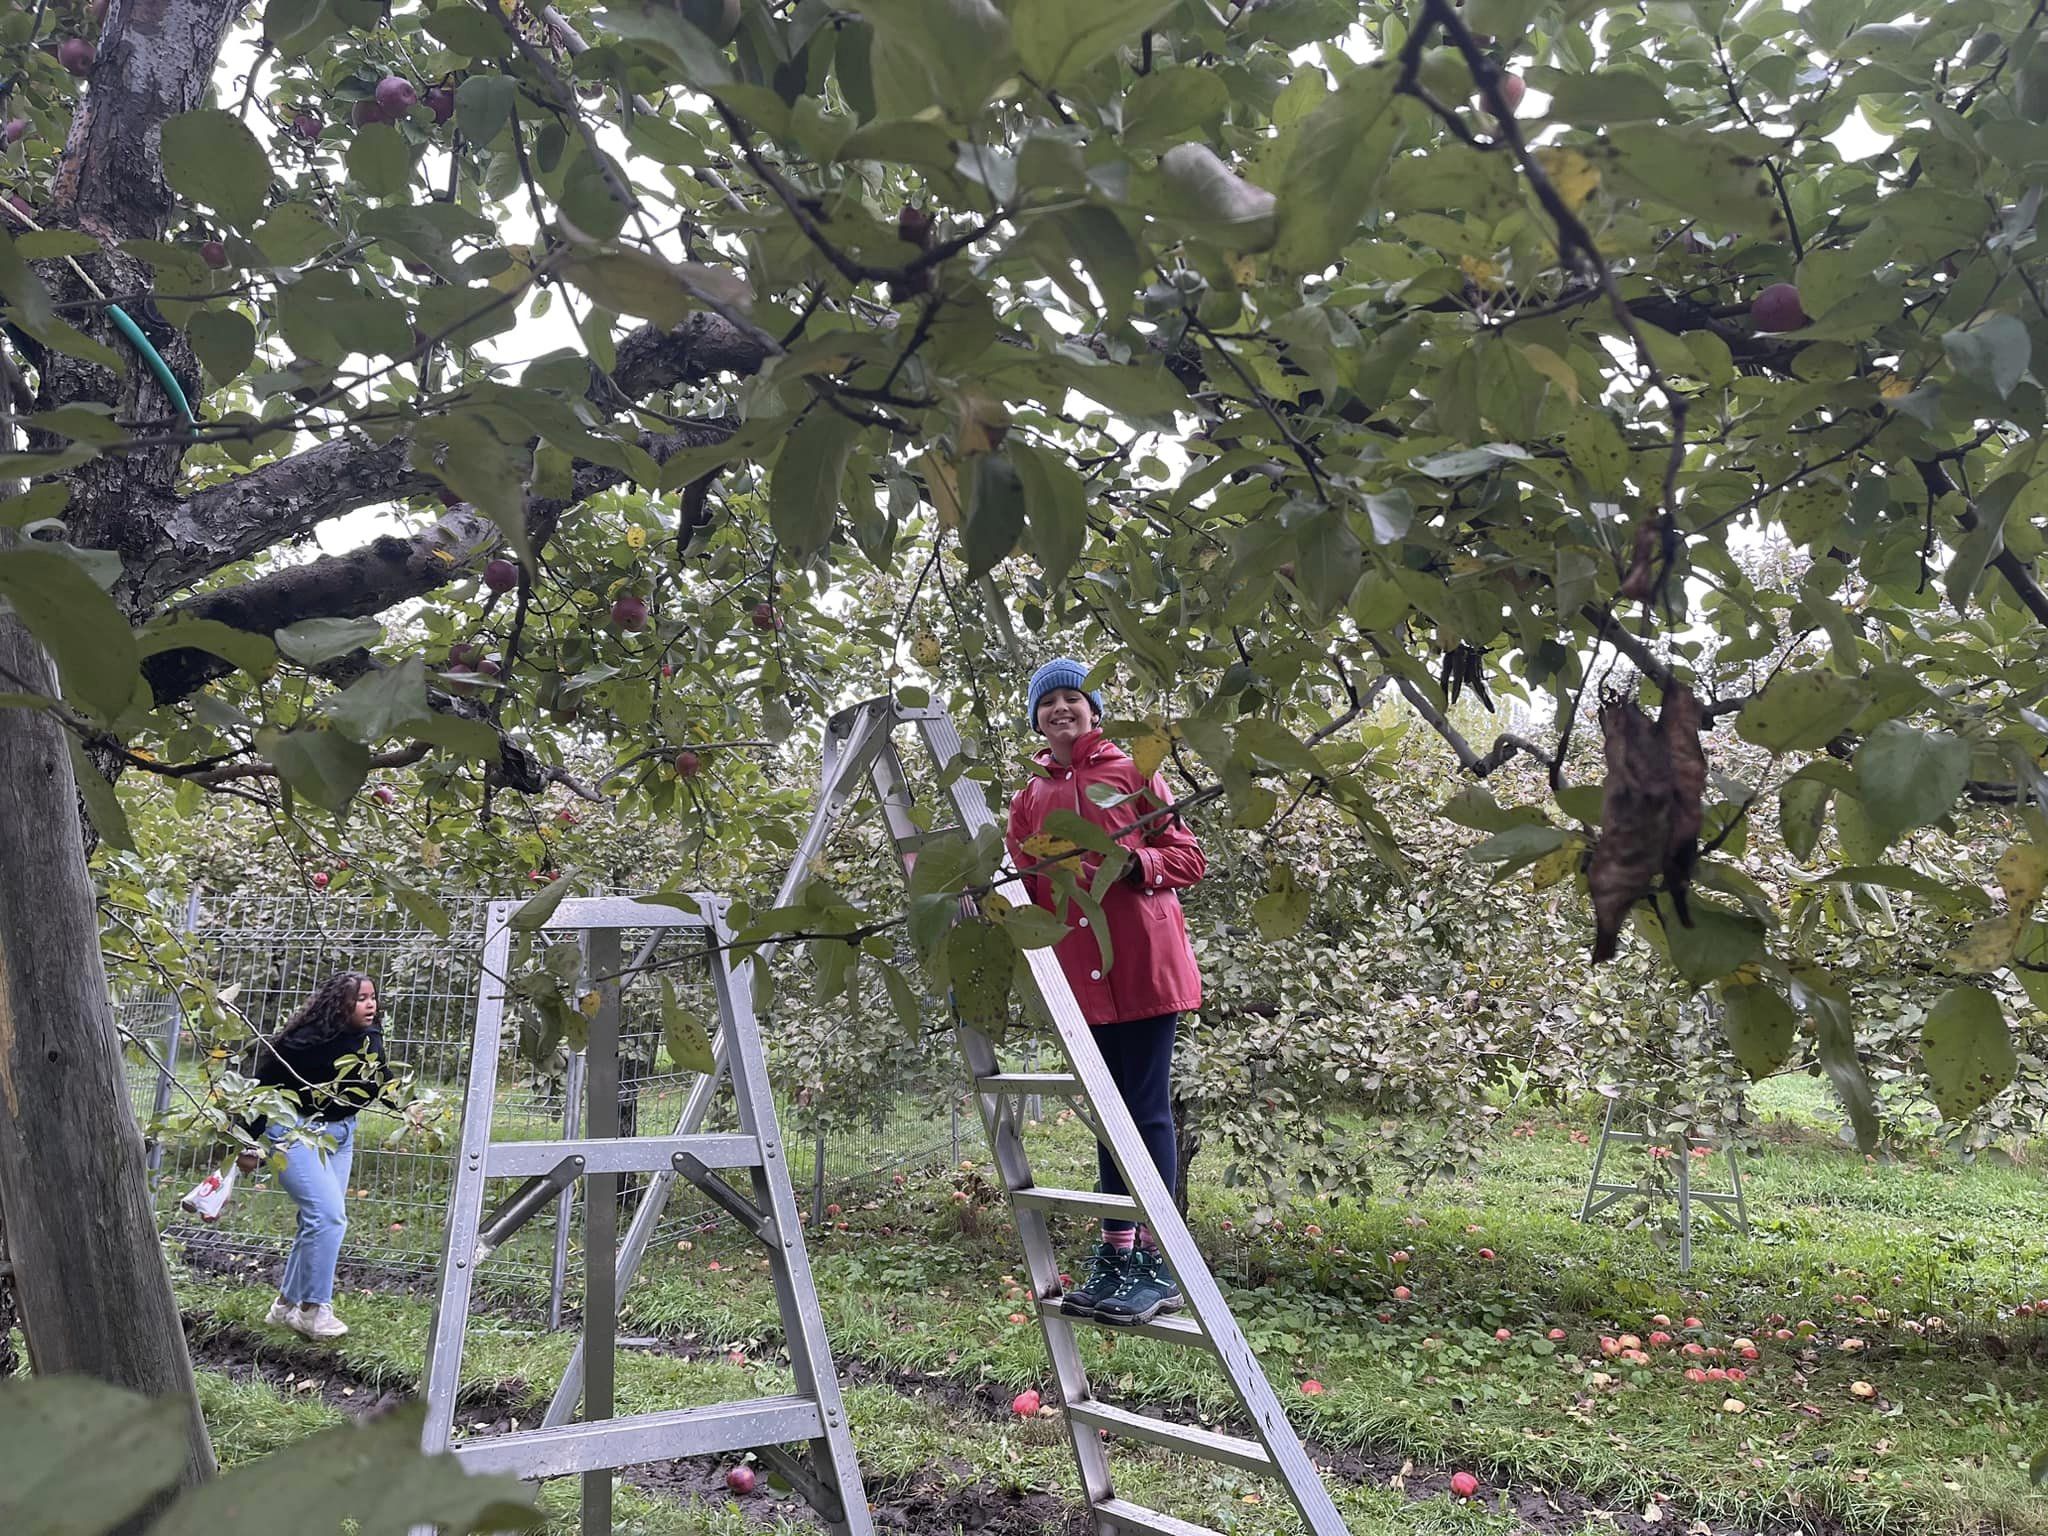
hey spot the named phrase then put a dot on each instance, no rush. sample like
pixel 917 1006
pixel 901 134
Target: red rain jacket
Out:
pixel 1152 967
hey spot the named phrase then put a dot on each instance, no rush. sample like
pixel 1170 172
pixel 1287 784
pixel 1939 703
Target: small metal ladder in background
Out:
pixel 598 1443
pixel 1602 1194
pixel 860 747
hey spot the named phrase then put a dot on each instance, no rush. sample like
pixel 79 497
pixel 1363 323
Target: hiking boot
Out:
pixel 1148 1289
pixel 283 1314
pixel 318 1322
pixel 1106 1266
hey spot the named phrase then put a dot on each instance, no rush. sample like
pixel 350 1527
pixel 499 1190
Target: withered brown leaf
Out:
pixel 1640 581
pixel 1650 813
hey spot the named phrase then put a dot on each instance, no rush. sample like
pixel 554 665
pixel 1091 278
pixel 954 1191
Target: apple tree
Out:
pixel 710 361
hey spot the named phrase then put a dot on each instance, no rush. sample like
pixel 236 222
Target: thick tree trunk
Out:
pixel 89 1274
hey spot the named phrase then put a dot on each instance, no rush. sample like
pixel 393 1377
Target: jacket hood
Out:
pixel 1089 747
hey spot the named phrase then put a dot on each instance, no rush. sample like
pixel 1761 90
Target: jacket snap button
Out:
pixel 1084 922
pixel 1095 975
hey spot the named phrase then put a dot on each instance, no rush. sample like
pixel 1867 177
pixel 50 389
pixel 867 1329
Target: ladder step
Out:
pixel 619 1154
pixel 1084 1202
pixel 1137 1518
pixel 1174 1327
pixel 1029 1082
pixel 572 1448
pixel 1206 1443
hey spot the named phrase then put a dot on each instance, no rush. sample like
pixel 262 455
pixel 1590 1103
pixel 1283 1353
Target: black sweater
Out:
pixel 329 1080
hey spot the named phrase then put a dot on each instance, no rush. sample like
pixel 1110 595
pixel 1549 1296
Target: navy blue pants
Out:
pixel 1139 1055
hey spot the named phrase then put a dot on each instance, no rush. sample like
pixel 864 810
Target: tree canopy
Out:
pixel 718 362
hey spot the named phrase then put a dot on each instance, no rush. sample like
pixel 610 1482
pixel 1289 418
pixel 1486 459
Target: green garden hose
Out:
pixel 133 332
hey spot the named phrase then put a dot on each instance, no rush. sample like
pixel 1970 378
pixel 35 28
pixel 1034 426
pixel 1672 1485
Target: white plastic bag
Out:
pixel 209 1197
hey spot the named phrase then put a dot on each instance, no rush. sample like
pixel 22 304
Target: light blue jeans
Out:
pixel 317 1181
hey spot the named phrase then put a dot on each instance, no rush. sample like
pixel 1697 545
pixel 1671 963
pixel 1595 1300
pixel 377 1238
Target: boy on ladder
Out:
pixel 1133 1003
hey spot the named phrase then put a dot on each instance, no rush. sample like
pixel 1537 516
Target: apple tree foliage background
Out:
pixel 1374 388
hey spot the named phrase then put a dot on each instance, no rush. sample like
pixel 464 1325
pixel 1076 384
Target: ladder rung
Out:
pixel 1127 1516
pixel 1082 1201
pixel 1028 1082
pixel 620 1154
pixel 570 1448
pixel 1175 1328
pixel 1206 1443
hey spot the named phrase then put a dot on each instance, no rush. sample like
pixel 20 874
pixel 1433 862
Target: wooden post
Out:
pixel 89 1275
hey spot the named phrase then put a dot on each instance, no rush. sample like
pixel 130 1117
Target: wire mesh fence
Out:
pixel 275 950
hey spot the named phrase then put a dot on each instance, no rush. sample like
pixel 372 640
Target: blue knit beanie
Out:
pixel 1060 672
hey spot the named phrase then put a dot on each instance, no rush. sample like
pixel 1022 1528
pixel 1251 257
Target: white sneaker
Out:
pixel 316 1320
pixel 282 1314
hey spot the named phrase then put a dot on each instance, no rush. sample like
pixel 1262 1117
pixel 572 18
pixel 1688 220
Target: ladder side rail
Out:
pixel 1290 1457
pixel 803 1322
pixel 565 1203
pixel 601 1218
pixel 466 1196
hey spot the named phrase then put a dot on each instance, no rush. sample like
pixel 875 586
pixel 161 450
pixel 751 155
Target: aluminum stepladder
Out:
pixel 1601 1194
pixel 860 747
pixel 599 1443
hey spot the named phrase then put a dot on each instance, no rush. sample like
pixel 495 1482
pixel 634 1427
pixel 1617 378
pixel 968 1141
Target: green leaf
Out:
pixel 310 642
pixel 1212 200
pixel 324 767
pixel 1620 95
pixel 381 703
pixel 425 911
pixel 370 1479
pixel 1082 832
pixel 980 961
pixel 1332 560
pixel 1968 1050
pixel 77 624
pixel 211 157
pixel 1759 1026
pixel 1715 176
pixel 1106 250
pixel 1801 711
pixel 949 52
pixel 1718 942
pixel 1170 102
pixel 466 454
pixel 666 30
pixel 1820 997
pixel 1473 806
pixel 1340 152
pixel 995 514
pixel 1061 40
pixel 379 161
pixel 252 653
pixel 1993 354
pixel 224 341
pixel 1802 814
pixel 79 1456
pixel 534 912
pixel 803 498
pixel 683 1032
pixel 1055 509
pixel 630 281
pixel 101 802
pixel 1030 926
pixel 484 105
pixel 1284 910
pixel 1519 846
pixel 1908 778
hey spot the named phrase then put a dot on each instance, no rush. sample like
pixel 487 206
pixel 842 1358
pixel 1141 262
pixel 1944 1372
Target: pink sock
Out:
pixel 1122 1241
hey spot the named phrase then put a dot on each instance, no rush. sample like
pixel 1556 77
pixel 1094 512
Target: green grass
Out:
pixel 917 1285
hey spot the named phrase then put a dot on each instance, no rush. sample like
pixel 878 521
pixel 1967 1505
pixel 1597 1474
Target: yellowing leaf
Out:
pixel 1575 177
pixel 1044 845
pixel 1552 367
pixel 1483 272
pixel 1989 945
pixel 1560 863
pixel 589 1003
pixel 2022 873
pixel 636 537
pixel 942 487
pixel 1150 746
pixel 1892 387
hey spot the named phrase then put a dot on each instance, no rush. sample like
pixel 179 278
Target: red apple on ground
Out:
pixel 1464 1484
pixel 321 879
pixel 1311 1388
pixel 1777 308
pixel 501 575
pixel 1503 1334
pixel 1556 1335
pixel 1402 1293
pixel 630 612
pixel 566 817
pixel 741 1480
pixel 1025 1403
pixel 76 55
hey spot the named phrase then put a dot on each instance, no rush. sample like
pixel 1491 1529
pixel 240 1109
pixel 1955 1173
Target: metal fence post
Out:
pixel 167 1070
pixel 818 1183
pixel 565 1203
